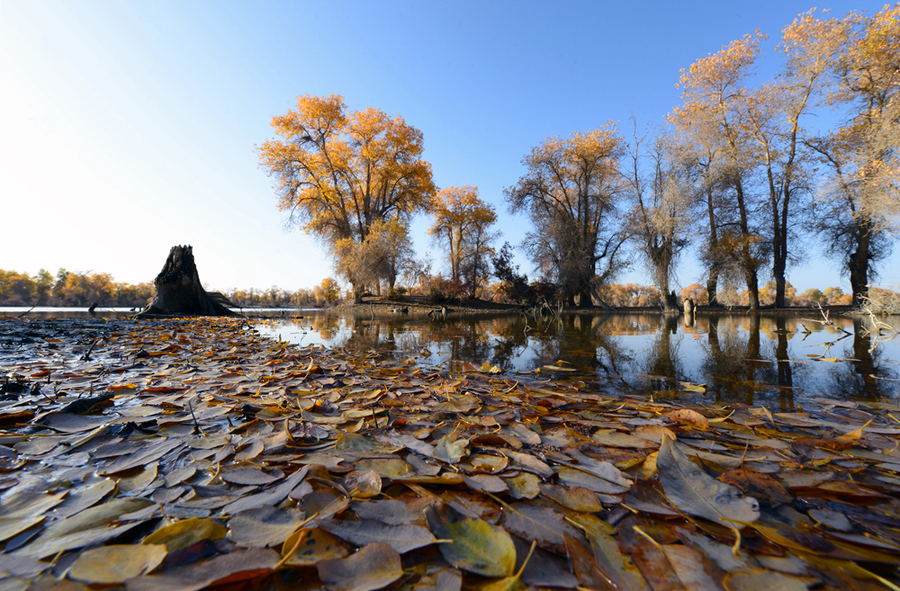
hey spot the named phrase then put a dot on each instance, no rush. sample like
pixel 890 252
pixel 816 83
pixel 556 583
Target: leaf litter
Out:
pixel 194 453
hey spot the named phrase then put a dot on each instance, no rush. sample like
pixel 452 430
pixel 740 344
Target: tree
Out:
pixel 570 191
pixel 513 286
pixel 774 116
pixel 862 199
pixel 767 294
pixel 695 292
pixel 338 172
pixel 382 255
pixel 462 224
pixel 660 215
pixel 328 292
pixel 714 98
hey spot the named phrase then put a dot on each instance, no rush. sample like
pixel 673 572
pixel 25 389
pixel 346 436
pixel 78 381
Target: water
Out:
pixel 781 361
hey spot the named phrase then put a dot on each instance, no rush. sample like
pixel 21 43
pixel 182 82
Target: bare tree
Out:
pixel 570 190
pixel 661 206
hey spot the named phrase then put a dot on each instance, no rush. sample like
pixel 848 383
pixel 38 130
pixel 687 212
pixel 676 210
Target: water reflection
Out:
pixel 779 361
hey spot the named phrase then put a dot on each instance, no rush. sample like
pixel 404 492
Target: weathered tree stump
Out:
pixel 179 291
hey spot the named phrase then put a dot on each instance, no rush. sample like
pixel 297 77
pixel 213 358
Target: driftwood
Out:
pixel 179 291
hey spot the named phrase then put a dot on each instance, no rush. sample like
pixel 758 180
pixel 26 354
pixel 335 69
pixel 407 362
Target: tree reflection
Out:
pixel 864 376
pixel 784 371
pixel 750 359
pixel 662 366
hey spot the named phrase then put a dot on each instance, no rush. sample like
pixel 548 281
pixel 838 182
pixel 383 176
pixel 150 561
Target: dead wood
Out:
pixel 179 291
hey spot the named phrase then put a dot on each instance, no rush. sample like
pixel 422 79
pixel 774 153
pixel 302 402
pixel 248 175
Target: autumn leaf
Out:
pixel 693 491
pixel 373 567
pixel 474 545
pixel 116 564
pixel 185 532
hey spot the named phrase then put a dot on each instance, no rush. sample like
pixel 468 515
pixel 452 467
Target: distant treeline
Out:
pixel 67 288
pixel 84 289
pixel 70 289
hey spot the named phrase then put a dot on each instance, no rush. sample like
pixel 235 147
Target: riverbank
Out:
pixel 188 453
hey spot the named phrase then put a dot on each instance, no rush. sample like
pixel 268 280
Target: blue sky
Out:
pixel 128 127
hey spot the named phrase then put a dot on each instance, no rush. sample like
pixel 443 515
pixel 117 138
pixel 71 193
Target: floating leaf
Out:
pixel 28 504
pixel 116 564
pixel 363 484
pixel 359 444
pixel 615 565
pixel 765 579
pixel 524 486
pixel 541 524
pixel 688 416
pixel 584 479
pixel 486 483
pixel 614 438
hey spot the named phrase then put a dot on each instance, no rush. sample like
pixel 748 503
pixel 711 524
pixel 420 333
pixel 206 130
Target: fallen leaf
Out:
pixel 228 568
pixel 117 563
pixel 476 546
pixel 694 492
pixel 265 526
pixel 314 545
pixel 186 532
pixel 401 538
pixel 373 567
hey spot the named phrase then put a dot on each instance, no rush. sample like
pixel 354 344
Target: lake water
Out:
pixel 780 361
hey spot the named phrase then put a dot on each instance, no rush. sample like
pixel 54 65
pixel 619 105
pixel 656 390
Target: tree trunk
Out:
pixel 712 282
pixel 179 291
pixel 859 266
pixel 712 285
pixel 746 255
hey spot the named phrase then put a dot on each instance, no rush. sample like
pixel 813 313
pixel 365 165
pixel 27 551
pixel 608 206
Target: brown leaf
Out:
pixel 694 492
pixel 401 538
pixel 228 568
pixel 266 526
pixel 373 567
pixel 116 564
pixel 314 545
pixel 542 524
pixel 246 476
pixel 584 566
pixel 688 416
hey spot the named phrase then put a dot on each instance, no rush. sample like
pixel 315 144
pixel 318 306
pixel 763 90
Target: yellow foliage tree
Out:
pixel 338 172
pixel 461 223
pixel 713 100
pixel 862 201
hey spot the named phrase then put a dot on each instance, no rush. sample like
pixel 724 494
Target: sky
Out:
pixel 130 127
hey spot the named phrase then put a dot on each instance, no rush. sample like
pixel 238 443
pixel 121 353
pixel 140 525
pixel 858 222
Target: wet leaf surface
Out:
pixel 373 567
pixel 256 464
pixel 116 564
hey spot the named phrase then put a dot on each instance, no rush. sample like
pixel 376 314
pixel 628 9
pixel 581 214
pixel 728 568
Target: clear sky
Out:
pixel 128 127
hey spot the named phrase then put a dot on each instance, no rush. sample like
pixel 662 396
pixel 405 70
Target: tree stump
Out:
pixel 179 291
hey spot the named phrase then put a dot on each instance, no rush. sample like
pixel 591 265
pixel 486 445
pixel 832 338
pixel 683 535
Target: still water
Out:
pixel 780 361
